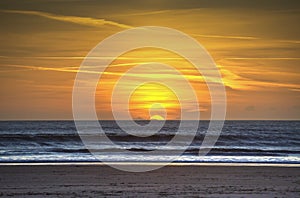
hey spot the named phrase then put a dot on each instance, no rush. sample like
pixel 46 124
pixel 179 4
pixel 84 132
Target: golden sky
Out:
pixel 255 44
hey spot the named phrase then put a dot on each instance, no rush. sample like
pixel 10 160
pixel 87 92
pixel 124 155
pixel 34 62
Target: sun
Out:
pixel 157 117
pixel 154 101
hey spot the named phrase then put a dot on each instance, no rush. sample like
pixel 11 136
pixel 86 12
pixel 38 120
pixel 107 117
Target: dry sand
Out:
pixel 171 181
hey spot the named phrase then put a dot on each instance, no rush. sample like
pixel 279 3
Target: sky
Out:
pixel 255 44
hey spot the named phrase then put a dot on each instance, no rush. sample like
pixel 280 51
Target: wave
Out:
pixel 163 138
pixel 193 151
pixel 59 140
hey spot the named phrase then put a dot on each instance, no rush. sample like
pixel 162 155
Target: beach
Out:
pixel 194 180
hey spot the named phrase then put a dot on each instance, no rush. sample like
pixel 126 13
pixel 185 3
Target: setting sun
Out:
pixel 155 99
pixel 157 117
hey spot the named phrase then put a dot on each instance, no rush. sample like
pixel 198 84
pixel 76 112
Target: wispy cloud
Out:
pixel 139 58
pixel 82 57
pixel 230 79
pixel 31 67
pixel 88 21
pixel 290 41
pixel 263 58
pixel 94 22
pixel 225 37
pixel 146 13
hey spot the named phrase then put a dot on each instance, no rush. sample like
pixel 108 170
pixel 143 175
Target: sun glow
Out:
pixel 144 96
pixel 155 99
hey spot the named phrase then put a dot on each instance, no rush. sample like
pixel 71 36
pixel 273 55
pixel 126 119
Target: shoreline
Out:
pixel 225 164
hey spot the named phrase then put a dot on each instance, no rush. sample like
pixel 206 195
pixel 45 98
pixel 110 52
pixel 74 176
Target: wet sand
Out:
pixel 171 181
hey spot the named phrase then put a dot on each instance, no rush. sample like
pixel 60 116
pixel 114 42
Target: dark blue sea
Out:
pixel 239 142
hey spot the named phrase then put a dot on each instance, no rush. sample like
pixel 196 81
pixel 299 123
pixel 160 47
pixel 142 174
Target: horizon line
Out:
pixel 12 120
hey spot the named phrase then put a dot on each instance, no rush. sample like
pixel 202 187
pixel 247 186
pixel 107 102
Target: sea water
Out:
pixel 239 142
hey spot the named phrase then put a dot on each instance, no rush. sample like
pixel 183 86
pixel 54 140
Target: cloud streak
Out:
pixel 230 79
pixel 226 37
pixel 87 21
pixel 146 13
pixel 263 58
pixel 93 22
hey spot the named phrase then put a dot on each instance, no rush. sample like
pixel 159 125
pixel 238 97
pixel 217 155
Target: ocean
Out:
pixel 239 142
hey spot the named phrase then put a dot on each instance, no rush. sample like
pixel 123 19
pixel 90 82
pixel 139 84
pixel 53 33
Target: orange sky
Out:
pixel 255 45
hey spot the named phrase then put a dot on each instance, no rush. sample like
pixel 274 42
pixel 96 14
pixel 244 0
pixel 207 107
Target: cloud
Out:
pixel 88 21
pixel 226 37
pixel 262 58
pixel 146 13
pixel 229 78
pixel 72 19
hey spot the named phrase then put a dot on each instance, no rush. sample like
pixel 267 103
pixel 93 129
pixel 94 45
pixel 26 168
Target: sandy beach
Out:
pixel 171 181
